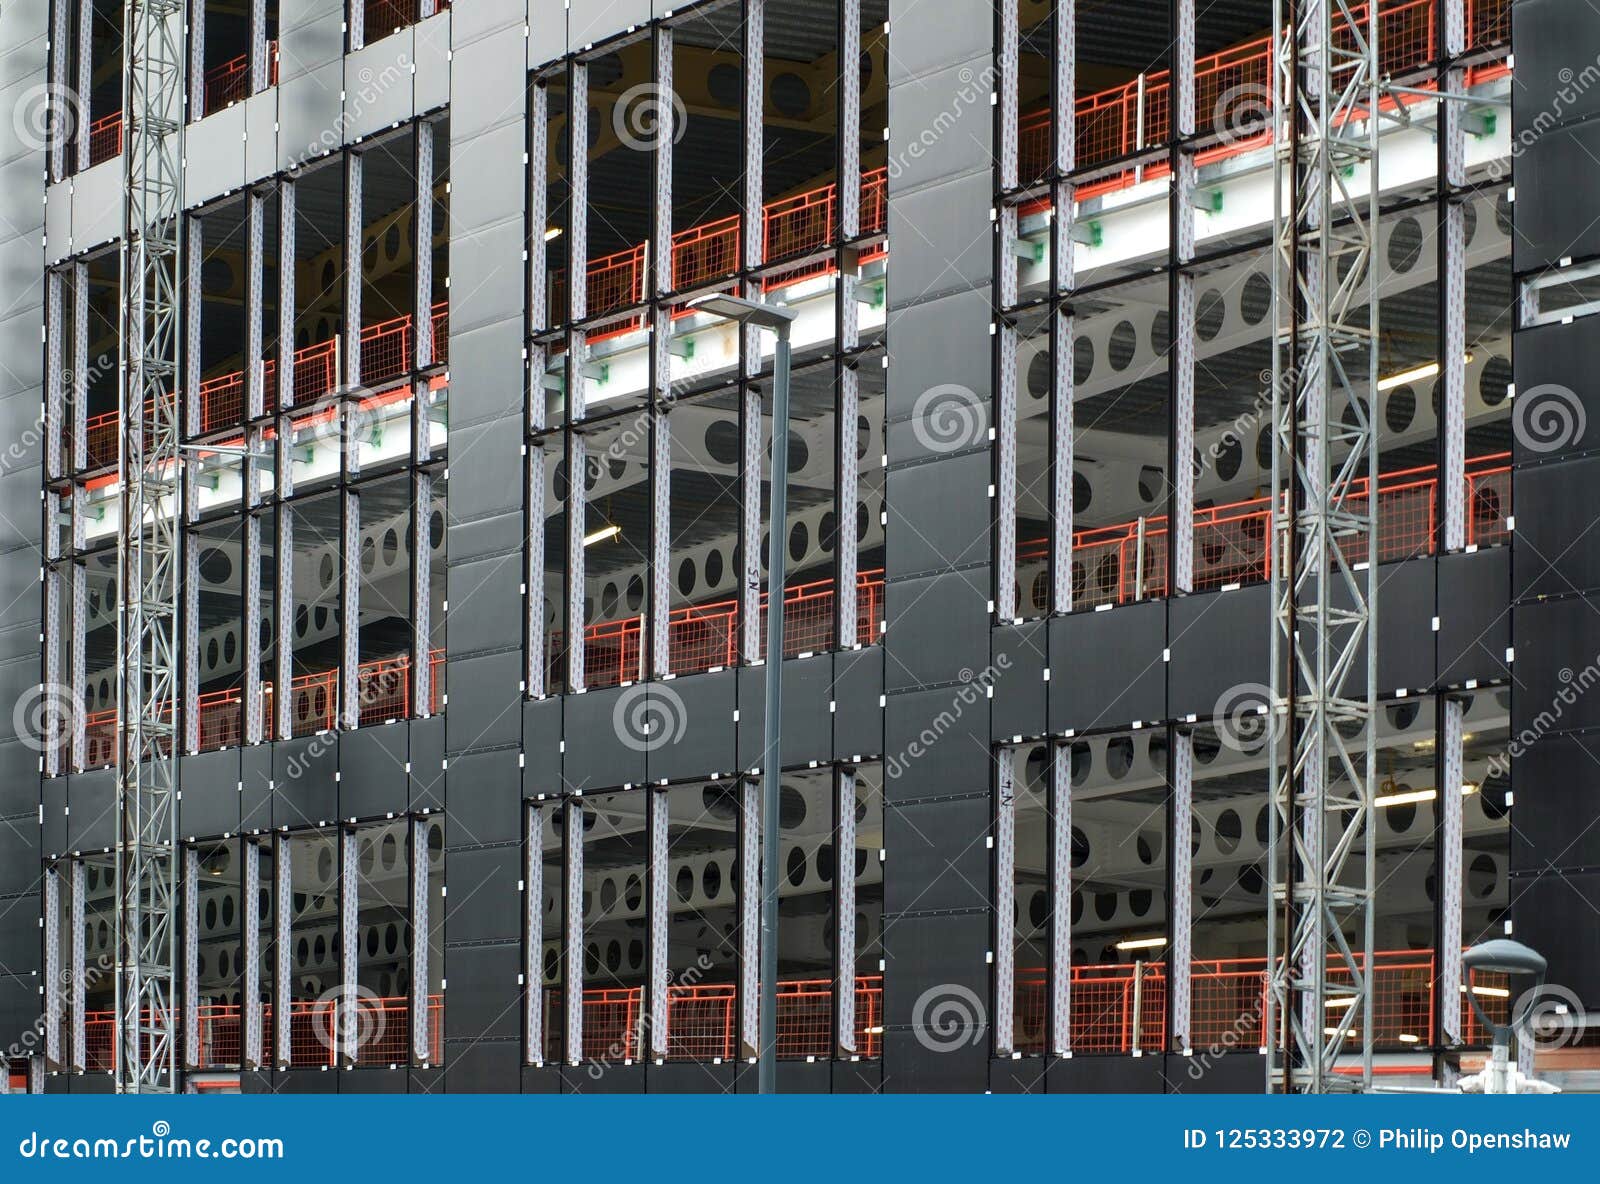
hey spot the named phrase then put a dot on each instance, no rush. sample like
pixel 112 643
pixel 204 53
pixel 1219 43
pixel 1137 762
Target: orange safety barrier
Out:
pixel 704 636
pixel 1128 561
pixel 230 82
pixel 1228 1004
pixel 105 138
pixel 382 1028
pixel 1232 87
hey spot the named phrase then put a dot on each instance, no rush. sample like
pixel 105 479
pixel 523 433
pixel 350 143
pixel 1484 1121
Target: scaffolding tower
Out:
pixel 1324 559
pixel 148 549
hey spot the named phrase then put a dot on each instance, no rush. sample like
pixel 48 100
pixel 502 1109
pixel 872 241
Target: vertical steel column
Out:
pixel 657 659
pixel 57 589
pixel 84 86
pixel 255 268
pixel 78 382
pixel 1452 718
pixel 350 600
pixel 286 296
pixel 1005 902
pixel 1181 538
pixel 534 581
pixel 283 604
pixel 55 374
pixel 1180 959
pixel 1062 324
pixel 533 934
pixel 846 547
pixel 421 588
pixel 844 907
pixel 355 22
pixel 78 1058
pixel 251 647
pixel 421 921
pixel 188 708
pixel 572 939
pixel 533 600
pixel 149 546
pixel 197 59
pixel 347 1021
pixel 250 916
pixel 260 56
pixel 353 189
pixel 749 918
pixel 67 113
pixel 657 640
pixel 191 958
pixel 50 902
pixel 282 924
pixel 422 246
pixel 752 250
pixel 658 883
pixel 1060 870
pixel 1325 302
pixel 1453 281
pixel 577 513
pixel 193 326
pixel 577 356
pixel 1005 409
pixel 78 592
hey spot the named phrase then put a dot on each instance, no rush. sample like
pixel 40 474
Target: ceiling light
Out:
pixel 604 534
pixel 1415 374
pixel 1142 943
pixel 552 233
pixel 1410 1038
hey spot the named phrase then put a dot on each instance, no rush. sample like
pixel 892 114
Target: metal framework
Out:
pixel 148 549
pixel 1324 569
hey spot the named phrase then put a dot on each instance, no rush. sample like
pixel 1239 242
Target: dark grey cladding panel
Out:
pixel 486 77
pixel 469 22
pixel 1106 1075
pixel 1556 641
pixel 939 512
pixel 387 1080
pixel 310 34
pixel 936 743
pixel 807 727
pixel 1557 800
pixel 1215 1071
pixel 19 932
pixel 427 780
pixel 1474 620
pixel 857 1077
pixel 92 821
pixel 53 832
pixel 485 904
pixel 606 738
pixel 964 29
pixel 1020 655
pixel 953 350
pixel 484 798
pixel 938 855
pixel 209 782
pixel 603 1077
pixel 372 771
pixel 1558 44
pixel 1557 408
pixel 950 220
pixel 19 778
pixel 483 994
pixel 485 610
pixel 305 792
pixel 1552 226
pixel 689 1077
pixel 473 1067
pixel 936 968
pixel 255 771
pixel 1106 669
pixel 693 732
pixel 1547 913
pixel 309 115
pixel 19 1002
pixel 942 126
pixel 857 702
pixel 1557 547
pixel 1406 607
pixel 542 1079
pixel 1219 642
pixel 1012 1075
pixel 938 630
pixel 541 746
pixel 484 710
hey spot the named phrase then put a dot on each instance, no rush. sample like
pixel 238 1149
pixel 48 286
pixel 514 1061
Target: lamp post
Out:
pixel 778 320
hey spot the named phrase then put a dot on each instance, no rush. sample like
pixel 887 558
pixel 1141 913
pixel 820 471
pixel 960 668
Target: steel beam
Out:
pixel 533 934
pixel 1005 902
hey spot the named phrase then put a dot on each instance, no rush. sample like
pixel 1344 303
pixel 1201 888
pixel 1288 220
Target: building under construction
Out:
pixel 1184 656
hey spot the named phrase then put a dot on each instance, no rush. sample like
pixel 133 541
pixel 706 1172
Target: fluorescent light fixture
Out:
pixel 1489 992
pixel 1337 1001
pixel 604 534
pixel 552 233
pixel 1415 374
pixel 1410 1038
pixel 1142 943
pixel 1417 795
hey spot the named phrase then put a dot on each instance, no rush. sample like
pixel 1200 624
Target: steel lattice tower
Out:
pixel 148 548
pixel 1324 569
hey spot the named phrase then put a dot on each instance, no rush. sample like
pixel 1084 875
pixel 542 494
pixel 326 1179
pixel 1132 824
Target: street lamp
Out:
pixel 778 320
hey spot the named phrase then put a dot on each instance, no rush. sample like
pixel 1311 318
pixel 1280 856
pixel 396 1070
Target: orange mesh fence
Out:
pixel 611 1023
pixel 313 701
pixel 385 350
pixel 385 16
pixel 441 332
pixel 616 281
pixel 222 401
pixel 701 637
pixel 380 1030
pixel 805 1019
pixel 230 82
pixel 1230 544
pixel 613 653
pixel 384 690
pixel 874 217
pixel 1114 1010
pixel 1228 1003
pixel 316 371
pixel 1488 501
pixel 704 253
pixel 1488 21
pixel 701 1022
pixel 105 137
